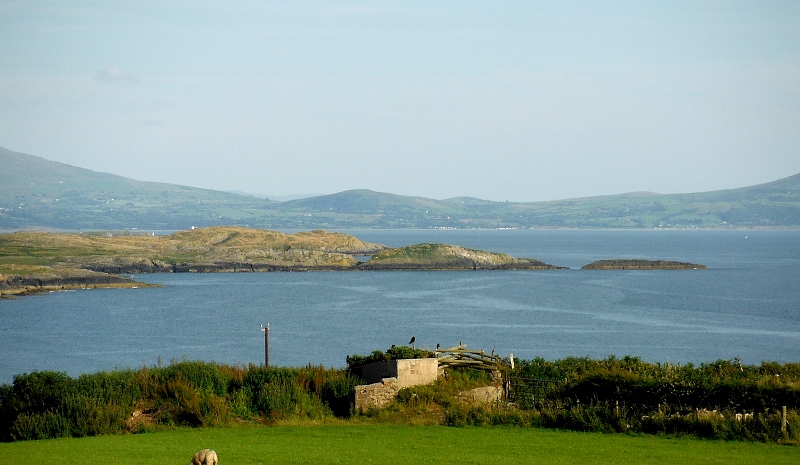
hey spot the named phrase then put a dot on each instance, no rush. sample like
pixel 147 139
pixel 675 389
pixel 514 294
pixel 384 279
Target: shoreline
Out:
pixel 11 293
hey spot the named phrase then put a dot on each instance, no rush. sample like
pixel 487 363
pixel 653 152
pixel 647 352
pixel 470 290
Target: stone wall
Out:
pixel 485 395
pixel 375 395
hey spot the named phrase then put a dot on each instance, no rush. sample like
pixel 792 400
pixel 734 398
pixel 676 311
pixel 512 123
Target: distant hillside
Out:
pixel 363 201
pixel 38 193
pixel 775 204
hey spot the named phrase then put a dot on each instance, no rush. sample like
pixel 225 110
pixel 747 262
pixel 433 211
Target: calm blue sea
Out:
pixel 745 305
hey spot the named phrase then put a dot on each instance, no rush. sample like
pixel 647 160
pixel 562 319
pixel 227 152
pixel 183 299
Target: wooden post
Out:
pixel 616 409
pixel 783 419
pixel 266 344
pixel 507 387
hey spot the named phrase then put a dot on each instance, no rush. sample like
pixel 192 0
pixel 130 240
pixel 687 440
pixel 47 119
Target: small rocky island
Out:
pixel 627 264
pixel 448 257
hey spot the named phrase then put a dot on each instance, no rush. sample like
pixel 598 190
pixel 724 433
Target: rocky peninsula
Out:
pixel 627 264
pixel 16 280
pixel 36 261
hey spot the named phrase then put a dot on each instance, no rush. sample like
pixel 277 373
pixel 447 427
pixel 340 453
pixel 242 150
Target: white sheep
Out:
pixel 205 457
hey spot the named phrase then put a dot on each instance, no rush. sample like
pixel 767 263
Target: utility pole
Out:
pixel 265 329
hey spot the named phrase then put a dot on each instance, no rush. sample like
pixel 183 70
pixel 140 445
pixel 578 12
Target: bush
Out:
pixel 336 394
pixel 44 425
pixel 201 376
pixel 50 404
pixel 645 387
pixel 394 353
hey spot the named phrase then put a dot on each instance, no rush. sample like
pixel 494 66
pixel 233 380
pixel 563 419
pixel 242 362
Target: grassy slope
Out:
pixel 60 259
pixel 390 444
pixel 206 244
pixel 35 192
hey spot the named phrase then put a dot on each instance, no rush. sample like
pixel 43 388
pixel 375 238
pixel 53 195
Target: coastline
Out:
pixel 38 279
pixel 33 290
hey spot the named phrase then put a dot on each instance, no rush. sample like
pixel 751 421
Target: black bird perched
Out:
pixel 412 340
pixel 437 346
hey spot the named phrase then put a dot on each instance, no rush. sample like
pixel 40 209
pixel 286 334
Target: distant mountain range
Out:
pixel 36 193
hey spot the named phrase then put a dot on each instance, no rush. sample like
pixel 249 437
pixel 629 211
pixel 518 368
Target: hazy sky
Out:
pixel 516 101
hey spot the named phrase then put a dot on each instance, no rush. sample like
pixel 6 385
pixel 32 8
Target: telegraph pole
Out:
pixel 265 329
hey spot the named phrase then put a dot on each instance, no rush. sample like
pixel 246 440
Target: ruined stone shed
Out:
pixel 386 378
pixel 409 372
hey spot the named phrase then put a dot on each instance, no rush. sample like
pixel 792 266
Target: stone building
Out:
pixel 388 377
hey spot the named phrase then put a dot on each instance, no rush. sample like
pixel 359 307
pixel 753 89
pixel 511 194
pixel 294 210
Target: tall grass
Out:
pixel 720 400
pixel 47 404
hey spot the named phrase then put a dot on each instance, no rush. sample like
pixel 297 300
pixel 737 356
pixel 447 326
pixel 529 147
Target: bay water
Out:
pixel 746 305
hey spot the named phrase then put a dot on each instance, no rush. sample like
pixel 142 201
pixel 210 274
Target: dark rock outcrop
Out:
pixel 127 266
pixel 626 264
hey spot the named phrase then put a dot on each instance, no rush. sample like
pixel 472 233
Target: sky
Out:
pixel 517 101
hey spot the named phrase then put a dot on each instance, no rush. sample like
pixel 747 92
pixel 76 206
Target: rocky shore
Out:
pixel 34 279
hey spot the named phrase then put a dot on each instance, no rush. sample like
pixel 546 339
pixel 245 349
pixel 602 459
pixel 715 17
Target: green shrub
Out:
pixel 40 392
pixel 117 387
pixel 41 425
pixel 394 353
pixel 274 399
pixel 645 387
pixel 202 376
pixel 90 416
pixel 336 394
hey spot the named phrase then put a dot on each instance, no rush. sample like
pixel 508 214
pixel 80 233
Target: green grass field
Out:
pixel 357 444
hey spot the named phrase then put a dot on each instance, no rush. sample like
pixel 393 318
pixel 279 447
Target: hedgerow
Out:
pixel 721 400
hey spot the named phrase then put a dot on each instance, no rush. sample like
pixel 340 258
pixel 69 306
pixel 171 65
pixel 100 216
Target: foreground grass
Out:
pixel 356 444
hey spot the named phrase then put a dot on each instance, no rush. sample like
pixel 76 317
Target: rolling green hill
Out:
pixel 775 204
pixel 38 193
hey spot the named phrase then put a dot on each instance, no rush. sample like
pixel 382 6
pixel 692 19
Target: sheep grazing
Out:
pixel 205 457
